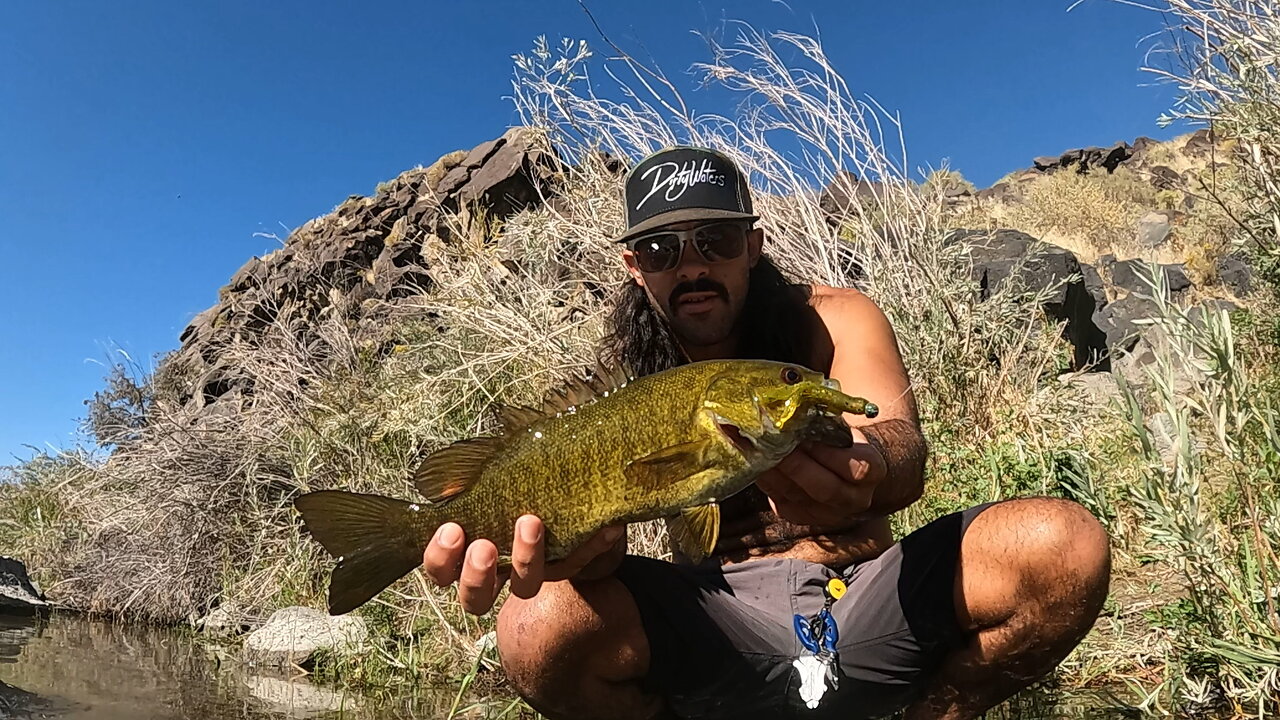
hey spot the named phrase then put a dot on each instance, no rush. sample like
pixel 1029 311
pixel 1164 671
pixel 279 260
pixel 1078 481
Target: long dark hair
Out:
pixel 776 308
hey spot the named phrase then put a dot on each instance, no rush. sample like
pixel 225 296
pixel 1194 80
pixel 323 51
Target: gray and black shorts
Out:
pixel 722 640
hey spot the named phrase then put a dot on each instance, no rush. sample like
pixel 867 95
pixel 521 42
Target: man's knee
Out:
pixel 539 635
pixel 1064 546
pixel 569 636
pixel 1045 553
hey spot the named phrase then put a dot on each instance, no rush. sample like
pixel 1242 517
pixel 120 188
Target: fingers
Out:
pixel 599 544
pixel 449 559
pixel 527 554
pixel 478 582
pixel 777 485
pixel 813 479
pixel 856 463
pixel 818 485
pixel 442 560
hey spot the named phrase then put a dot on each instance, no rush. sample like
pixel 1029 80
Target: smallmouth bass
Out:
pixel 605 451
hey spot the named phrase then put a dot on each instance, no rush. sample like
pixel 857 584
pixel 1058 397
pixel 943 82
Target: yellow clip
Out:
pixel 836 588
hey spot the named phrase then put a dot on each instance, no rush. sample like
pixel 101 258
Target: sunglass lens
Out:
pixel 721 242
pixel 657 253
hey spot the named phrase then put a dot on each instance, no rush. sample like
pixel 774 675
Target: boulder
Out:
pixel 18 594
pixel 1235 274
pixel 1153 229
pixel 1131 276
pixel 1199 144
pixel 1009 255
pixel 1164 177
pixel 1118 320
pixel 847 193
pixel 1085 159
pixel 292 635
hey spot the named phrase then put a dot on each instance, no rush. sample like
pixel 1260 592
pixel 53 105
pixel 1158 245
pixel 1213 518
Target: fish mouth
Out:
pixel 744 443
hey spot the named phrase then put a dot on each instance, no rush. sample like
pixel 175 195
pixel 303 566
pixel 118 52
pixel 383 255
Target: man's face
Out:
pixel 700 298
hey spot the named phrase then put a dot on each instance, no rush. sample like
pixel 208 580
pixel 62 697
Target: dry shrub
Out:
pixel 1091 214
pixel 1222 56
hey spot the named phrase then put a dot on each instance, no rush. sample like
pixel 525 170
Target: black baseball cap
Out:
pixel 684 183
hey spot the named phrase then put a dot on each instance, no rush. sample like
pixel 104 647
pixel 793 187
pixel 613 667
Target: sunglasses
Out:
pixel 661 251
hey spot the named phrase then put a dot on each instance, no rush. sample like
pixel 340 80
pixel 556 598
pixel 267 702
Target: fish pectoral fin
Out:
pixel 696 530
pixel 669 465
pixel 448 472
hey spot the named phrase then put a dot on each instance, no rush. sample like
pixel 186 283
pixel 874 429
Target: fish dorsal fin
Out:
pixel 696 530
pixel 599 382
pixel 517 417
pixel 448 472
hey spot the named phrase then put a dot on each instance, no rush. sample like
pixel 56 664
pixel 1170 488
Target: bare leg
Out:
pixel 1032 578
pixel 578 650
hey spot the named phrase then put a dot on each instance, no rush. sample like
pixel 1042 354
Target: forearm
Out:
pixel 904 450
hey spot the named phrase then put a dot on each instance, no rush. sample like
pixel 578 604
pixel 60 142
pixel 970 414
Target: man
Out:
pixel 946 623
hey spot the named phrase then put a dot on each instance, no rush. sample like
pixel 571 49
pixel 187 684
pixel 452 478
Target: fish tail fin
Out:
pixel 373 537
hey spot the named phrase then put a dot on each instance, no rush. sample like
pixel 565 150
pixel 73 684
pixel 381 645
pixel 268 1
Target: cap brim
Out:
pixel 682 215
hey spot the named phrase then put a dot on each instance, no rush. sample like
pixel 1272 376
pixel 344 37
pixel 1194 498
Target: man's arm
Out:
pixel 884 470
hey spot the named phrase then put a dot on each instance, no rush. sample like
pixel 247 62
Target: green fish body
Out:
pixel 602 452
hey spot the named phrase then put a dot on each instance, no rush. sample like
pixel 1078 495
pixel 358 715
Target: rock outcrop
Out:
pixel 18 594
pixel 384 247
pixel 1005 256
pixel 1085 159
pixel 368 248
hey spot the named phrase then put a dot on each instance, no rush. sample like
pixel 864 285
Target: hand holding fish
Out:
pixel 474 566
pixel 818 484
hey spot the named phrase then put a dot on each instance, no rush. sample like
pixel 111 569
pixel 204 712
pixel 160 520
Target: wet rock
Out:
pixel 18 594
pixel 292 635
pixel 228 619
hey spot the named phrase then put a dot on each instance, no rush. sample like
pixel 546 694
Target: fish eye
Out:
pixel 790 375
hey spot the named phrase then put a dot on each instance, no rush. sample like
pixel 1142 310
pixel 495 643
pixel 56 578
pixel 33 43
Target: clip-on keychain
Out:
pixel 818 635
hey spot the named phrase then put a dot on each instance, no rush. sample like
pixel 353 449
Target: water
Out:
pixel 71 667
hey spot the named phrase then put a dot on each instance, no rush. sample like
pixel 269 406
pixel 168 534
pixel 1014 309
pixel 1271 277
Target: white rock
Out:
pixel 293 634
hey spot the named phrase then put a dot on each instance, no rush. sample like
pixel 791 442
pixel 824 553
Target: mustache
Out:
pixel 702 284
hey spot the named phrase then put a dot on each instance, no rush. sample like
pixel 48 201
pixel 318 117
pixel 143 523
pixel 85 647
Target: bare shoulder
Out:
pixel 864 353
pixel 847 309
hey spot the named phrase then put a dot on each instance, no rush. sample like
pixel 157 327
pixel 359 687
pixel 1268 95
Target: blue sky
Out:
pixel 145 143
